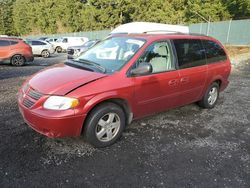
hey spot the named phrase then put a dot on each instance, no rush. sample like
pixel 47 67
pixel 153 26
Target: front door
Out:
pixel 157 91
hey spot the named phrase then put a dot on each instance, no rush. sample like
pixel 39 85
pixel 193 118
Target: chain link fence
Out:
pixel 232 32
pixel 91 35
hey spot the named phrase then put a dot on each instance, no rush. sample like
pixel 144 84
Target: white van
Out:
pixel 63 43
pixel 149 27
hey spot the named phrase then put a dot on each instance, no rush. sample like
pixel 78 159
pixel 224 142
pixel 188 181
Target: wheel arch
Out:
pixel 121 102
pixel 217 79
pixel 25 60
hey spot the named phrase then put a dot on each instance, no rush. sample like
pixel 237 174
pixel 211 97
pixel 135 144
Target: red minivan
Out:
pixel 124 77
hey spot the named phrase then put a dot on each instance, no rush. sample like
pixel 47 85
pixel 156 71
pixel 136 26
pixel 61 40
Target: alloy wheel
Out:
pixel 107 127
pixel 213 95
pixel 17 60
pixel 45 53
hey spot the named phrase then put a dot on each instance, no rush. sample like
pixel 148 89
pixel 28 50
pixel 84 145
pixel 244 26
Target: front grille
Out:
pixel 34 94
pixel 29 97
pixel 70 51
pixel 27 103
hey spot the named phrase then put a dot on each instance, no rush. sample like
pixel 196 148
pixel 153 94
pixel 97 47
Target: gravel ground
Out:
pixel 183 147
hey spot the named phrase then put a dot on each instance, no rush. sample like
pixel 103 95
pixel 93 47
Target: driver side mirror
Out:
pixel 142 69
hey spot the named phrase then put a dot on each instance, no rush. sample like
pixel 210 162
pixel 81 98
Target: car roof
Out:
pixel 11 38
pixel 158 36
pixel 37 40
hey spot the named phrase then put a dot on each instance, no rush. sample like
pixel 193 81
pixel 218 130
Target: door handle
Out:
pixel 184 80
pixel 172 82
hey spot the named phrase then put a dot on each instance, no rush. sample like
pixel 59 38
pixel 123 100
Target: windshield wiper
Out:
pixel 78 65
pixel 96 65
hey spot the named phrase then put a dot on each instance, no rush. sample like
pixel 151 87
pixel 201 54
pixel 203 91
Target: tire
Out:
pixel 104 125
pixel 17 60
pixel 211 96
pixel 45 54
pixel 59 49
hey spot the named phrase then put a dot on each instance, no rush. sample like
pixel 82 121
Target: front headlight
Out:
pixel 60 103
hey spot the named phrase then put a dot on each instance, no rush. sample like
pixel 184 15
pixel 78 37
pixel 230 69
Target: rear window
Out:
pixel 214 52
pixel 34 42
pixel 4 43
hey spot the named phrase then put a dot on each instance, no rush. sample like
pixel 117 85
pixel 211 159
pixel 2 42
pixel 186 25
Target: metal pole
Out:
pixel 208 26
pixel 229 28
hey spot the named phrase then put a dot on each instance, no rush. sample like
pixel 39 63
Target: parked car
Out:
pixel 15 51
pixel 42 48
pixel 124 77
pixel 51 40
pixel 75 51
pixel 62 44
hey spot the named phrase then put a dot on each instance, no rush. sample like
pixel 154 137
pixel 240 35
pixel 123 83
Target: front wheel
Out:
pixel 211 96
pixel 104 125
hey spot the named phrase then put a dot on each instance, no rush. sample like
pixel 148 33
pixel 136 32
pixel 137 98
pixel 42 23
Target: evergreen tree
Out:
pixel 26 17
pixel 6 17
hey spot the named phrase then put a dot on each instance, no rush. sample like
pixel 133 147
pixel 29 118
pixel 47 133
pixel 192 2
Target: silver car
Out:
pixel 43 48
pixel 75 51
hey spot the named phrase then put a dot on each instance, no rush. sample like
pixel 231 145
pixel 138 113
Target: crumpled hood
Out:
pixel 61 79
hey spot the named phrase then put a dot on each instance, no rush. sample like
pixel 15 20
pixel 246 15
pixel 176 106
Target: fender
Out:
pixel 209 82
pixel 103 97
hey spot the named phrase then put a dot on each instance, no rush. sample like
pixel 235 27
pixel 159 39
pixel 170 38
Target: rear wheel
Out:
pixel 104 125
pixel 211 96
pixel 45 53
pixel 17 60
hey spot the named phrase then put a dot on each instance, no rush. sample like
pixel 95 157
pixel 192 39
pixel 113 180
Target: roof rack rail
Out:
pixel 197 34
pixel 164 31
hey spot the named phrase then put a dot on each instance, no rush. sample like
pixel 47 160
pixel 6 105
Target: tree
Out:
pixel 6 17
pixel 26 17
pixel 206 10
pixel 238 8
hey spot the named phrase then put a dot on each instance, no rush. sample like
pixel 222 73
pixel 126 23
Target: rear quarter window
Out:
pixel 190 53
pixel 13 42
pixel 214 52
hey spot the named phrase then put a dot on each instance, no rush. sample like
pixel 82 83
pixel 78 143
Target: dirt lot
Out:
pixel 183 147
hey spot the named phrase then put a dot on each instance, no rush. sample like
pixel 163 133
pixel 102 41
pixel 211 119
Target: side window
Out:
pixel 41 43
pixel 4 43
pixel 65 40
pixel 190 53
pixel 160 56
pixel 34 42
pixel 214 51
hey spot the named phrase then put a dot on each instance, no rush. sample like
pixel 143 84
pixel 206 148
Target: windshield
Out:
pixel 112 53
pixel 89 43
